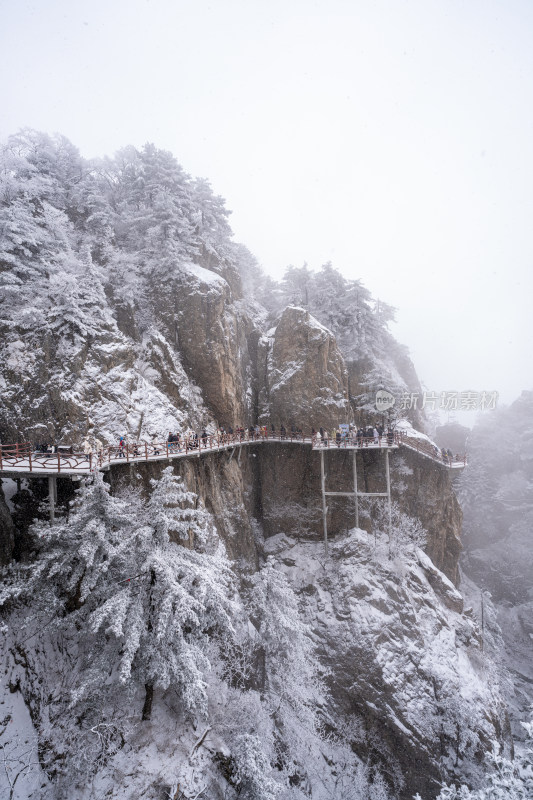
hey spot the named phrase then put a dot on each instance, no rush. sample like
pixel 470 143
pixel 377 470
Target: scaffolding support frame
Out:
pixel 355 494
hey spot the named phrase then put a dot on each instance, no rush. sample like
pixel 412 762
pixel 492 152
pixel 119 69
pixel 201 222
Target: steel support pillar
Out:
pixel 387 474
pixel 324 507
pixel 52 496
pixel 355 488
pixel 355 494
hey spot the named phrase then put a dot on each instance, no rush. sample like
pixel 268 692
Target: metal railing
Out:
pixel 360 442
pixel 22 458
pixel 425 448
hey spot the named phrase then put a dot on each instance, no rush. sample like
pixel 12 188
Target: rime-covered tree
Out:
pixel 506 780
pixel 404 534
pixel 291 683
pixel 144 584
pixel 252 770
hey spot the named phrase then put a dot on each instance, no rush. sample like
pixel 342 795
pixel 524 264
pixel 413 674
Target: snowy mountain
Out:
pixel 179 632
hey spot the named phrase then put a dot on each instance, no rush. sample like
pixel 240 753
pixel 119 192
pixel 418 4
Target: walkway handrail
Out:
pixel 17 449
pixel 21 458
pixel 425 448
pixel 360 442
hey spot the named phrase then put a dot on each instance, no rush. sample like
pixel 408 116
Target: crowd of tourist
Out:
pixel 349 433
pixel 177 442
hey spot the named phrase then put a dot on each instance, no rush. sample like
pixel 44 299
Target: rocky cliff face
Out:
pixel 7 531
pixel 427 491
pixel 212 338
pixel 291 496
pixel 305 379
pixel 401 655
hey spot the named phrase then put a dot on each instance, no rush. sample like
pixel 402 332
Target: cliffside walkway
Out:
pixel 21 459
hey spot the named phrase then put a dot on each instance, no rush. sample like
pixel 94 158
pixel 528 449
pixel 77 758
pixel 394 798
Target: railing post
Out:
pixel 90 462
pixel 127 452
pixel 58 462
pixel 145 451
pixel 29 461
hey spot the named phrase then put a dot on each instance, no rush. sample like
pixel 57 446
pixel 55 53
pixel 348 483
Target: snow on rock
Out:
pixel 205 278
pixel 306 379
pixel 440 583
pixel 276 544
pixel 21 776
pixel 401 656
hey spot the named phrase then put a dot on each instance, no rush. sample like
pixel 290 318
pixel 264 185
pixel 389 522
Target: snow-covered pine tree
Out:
pixel 141 606
pixel 211 218
pixel 291 682
pixel 160 620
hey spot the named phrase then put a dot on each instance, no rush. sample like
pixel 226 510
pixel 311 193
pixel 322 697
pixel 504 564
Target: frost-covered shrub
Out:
pixel 507 780
pixel 401 535
pixel 252 770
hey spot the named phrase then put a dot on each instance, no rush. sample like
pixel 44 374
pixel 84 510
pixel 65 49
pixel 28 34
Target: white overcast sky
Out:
pixel 392 137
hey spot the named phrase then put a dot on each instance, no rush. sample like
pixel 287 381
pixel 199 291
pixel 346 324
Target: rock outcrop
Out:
pixel 305 379
pixel 212 338
pixel 425 490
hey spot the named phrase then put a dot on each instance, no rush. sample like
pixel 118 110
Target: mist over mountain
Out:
pixel 495 495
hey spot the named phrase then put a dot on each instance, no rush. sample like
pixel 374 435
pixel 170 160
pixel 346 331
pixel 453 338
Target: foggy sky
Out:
pixel 393 138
